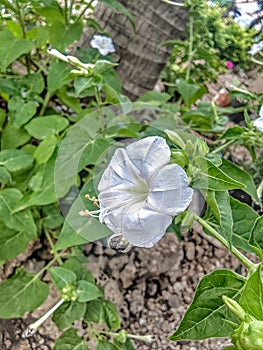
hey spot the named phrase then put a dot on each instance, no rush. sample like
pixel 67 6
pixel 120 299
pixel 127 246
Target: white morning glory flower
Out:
pixel 139 192
pixel 103 44
pixel 258 123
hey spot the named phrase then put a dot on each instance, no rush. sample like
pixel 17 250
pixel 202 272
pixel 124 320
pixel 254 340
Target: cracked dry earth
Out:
pixel 152 288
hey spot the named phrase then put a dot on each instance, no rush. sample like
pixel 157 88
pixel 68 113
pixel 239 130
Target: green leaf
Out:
pixel 241 176
pixel 110 315
pixel 118 7
pixel 81 229
pixel 69 340
pixel 94 312
pixel 80 138
pixel 211 177
pixel 155 98
pixel 61 36
pixel 225 212
pixel 68 313
pixel 81 272
pixel 13 137
pixel 244 218
pixel 12 48
pixel 52 217
pixel 102 311
pixel 22 221
pixel 58 76
pixel 21 293
pixel 5 177
pixel 87 291
pixel 205 318
pixel 233 133
pixel 190 92
pixel 44 191
pixel 256 238
pixel 62 277
pixel 20 112
pixel 45 150
pixel 114 97
pixel 15 159
pixel 14 241
pixel 106 345
pixel 252 297
pixel 42 127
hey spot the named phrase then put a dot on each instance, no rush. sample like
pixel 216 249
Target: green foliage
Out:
pixel 57 136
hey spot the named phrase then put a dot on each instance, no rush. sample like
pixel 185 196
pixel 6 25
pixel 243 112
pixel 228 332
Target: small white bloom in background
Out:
pixel 103 44
pixel 139 192
pixel 258 123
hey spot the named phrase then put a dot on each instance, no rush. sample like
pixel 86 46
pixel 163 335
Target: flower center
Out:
pixel 140 191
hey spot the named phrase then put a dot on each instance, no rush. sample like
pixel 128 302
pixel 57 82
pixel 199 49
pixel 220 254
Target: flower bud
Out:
pixel 249 336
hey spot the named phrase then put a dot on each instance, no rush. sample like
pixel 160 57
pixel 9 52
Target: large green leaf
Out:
pixel 21 293
pixel 87 291
pixel 69 340
pixel 12 48
pixel 252 297
pixel 241 176
pixel 20 112
pixel 206 317
pixel 62 277
pixel 61 36
pixel 67 313
pixel 81 138
pixel 209 176
pixel 43 127
pixel 256 238
pixel 81 272
pixel 244 218
pixel 15 159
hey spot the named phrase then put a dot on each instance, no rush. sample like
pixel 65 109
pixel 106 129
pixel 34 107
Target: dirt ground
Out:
pixel 152 288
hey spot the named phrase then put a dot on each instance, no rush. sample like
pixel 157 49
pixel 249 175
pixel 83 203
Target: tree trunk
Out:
pixel 140 54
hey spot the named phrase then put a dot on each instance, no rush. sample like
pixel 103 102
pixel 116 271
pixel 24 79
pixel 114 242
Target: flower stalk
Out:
pixel 242 258
pixel 33 327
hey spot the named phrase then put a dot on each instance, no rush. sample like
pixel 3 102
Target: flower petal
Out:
pixel 261 111
pixel 169 192
pixel 258 123
pixel 149 155
pixel 141 227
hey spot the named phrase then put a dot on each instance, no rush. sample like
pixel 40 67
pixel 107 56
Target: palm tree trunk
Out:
pixel 140 53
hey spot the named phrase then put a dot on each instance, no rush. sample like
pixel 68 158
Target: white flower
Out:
pixel 103 44
pixel 140 192
pixel 258 123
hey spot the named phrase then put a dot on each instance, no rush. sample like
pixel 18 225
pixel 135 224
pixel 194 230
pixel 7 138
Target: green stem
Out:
pixel 244 260
pixel 215 112
pixel 56 255
pixel 45 103
pixel 226 144
pixel 83 11
pixel 66 11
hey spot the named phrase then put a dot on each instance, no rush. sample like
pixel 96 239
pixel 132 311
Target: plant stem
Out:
pixel 83 11
pixel 146 338
pixel 226 144
pixel 244 260
pixel 56 255
pixel 45 103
